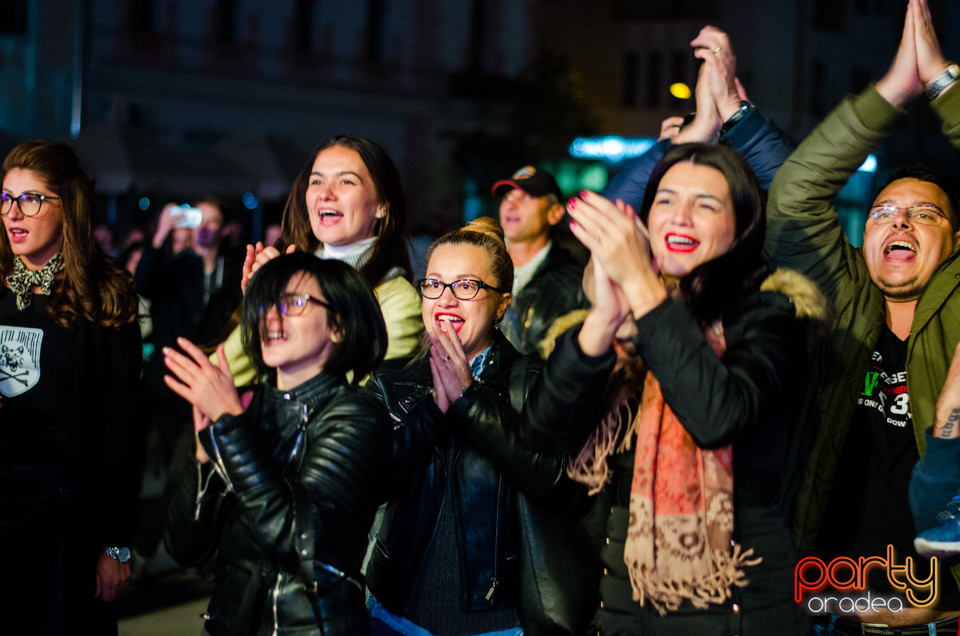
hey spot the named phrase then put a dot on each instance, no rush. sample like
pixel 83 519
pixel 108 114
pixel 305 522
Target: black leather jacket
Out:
pixel 493 471
pixel 325 443
pixel 554 290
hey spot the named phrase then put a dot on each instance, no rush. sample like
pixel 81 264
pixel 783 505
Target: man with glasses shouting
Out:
pixel 873 390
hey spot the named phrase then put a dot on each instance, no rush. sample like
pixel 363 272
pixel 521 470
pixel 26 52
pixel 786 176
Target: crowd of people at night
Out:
pixel 683 405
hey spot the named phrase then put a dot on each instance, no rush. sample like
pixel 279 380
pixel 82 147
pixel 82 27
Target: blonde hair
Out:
pixel 485 233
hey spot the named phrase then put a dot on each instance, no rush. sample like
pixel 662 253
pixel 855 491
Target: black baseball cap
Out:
pixel 531 180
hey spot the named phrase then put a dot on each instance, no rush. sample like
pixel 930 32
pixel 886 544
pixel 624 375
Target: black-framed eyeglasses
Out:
pixel 28 202
pixel 295 304
pixel 463 289
pixel 925 214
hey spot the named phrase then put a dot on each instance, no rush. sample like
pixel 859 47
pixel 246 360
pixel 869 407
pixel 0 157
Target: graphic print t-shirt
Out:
pixel 869 508
pixel 38 359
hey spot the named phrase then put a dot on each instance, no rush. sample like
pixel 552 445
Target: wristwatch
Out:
pixel 741 112
pixel 934 88
pixel 121 554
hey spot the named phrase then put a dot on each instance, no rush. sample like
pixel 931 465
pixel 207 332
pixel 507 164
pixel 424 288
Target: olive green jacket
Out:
pixel 804 234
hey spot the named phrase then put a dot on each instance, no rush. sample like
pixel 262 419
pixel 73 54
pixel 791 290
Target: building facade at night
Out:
pixel 176 98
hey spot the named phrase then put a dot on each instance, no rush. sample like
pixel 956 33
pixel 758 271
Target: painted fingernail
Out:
pixel 573 224
pixel 572 203
pixel 583 194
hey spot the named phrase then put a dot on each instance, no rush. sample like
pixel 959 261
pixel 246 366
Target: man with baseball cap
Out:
pixel 546 283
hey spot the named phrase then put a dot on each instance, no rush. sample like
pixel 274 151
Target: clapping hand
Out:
pixel 255 258
pixel 208 388
pixel 448 365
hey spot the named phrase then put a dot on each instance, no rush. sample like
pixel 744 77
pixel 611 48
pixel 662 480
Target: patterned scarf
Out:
pixel 23 280
pixel 679 539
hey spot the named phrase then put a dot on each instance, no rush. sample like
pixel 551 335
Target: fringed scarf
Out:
pixel 679 541
pixel 23 280
pixel 615 432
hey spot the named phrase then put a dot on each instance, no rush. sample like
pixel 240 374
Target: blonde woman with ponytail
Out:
pixel 451 556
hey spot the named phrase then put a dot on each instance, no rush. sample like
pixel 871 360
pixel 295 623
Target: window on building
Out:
pixel 145 17
pixel 828 15
pixel 654 80
pixel 478 44
pixel 678 67
pixel 14 20
pixel 228 21
pixel 375 19
pixel 631 63
pixel 306 21
pixel 817 94
pixel 672 10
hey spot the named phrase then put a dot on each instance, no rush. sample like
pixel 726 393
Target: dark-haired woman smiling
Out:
pixel 287 478
pixel 695 450
pixel 347 204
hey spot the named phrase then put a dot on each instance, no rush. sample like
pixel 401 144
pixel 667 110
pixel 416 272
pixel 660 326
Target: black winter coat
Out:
pixel 512 562
pixel 555 290
pixel 324 443
pixel 749 398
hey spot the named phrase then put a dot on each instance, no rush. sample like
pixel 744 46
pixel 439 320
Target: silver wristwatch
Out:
pixel 934 88
pixel 121 554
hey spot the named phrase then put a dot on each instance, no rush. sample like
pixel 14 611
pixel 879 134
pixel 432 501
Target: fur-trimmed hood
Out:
pixel 811 305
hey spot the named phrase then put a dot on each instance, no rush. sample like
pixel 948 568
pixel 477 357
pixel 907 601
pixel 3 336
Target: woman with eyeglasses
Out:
pixel 450 557
pixel 69 379
pixel 287 477
pixel 347 204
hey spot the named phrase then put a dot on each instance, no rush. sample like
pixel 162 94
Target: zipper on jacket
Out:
pixel 494 581
pixel 201 490
pixel 276 595
pixel 218 465
pixel 493 587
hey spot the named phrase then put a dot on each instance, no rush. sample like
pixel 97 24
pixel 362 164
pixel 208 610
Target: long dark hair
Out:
pixel 390 248
pixel 353 311
pixel 710 286
pixel 92 287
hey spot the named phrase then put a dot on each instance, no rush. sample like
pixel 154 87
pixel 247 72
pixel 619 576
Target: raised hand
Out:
pixel 610 309
pixel 670 128
pixel 164 226
pixel 902 83
pixel 255 258
pixel 930 61
pixel 618 241
pixel 713 47
pixel 706 121
pixel 209 388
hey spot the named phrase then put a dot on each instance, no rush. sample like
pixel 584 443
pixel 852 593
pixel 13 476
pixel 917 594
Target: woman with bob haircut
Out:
pixel 461 547
pixel 710 350
pixel 69 474
pixel 287 476
pixel 347 204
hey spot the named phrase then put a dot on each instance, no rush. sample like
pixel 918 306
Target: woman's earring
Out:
pixel 379 214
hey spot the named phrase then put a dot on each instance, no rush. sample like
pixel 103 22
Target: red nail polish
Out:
pixel 572 203
pixel 583 194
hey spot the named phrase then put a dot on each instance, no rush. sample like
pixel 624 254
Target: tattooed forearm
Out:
pixel 946 431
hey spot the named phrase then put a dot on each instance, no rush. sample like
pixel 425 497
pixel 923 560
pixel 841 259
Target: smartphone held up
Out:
pixel 186 216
